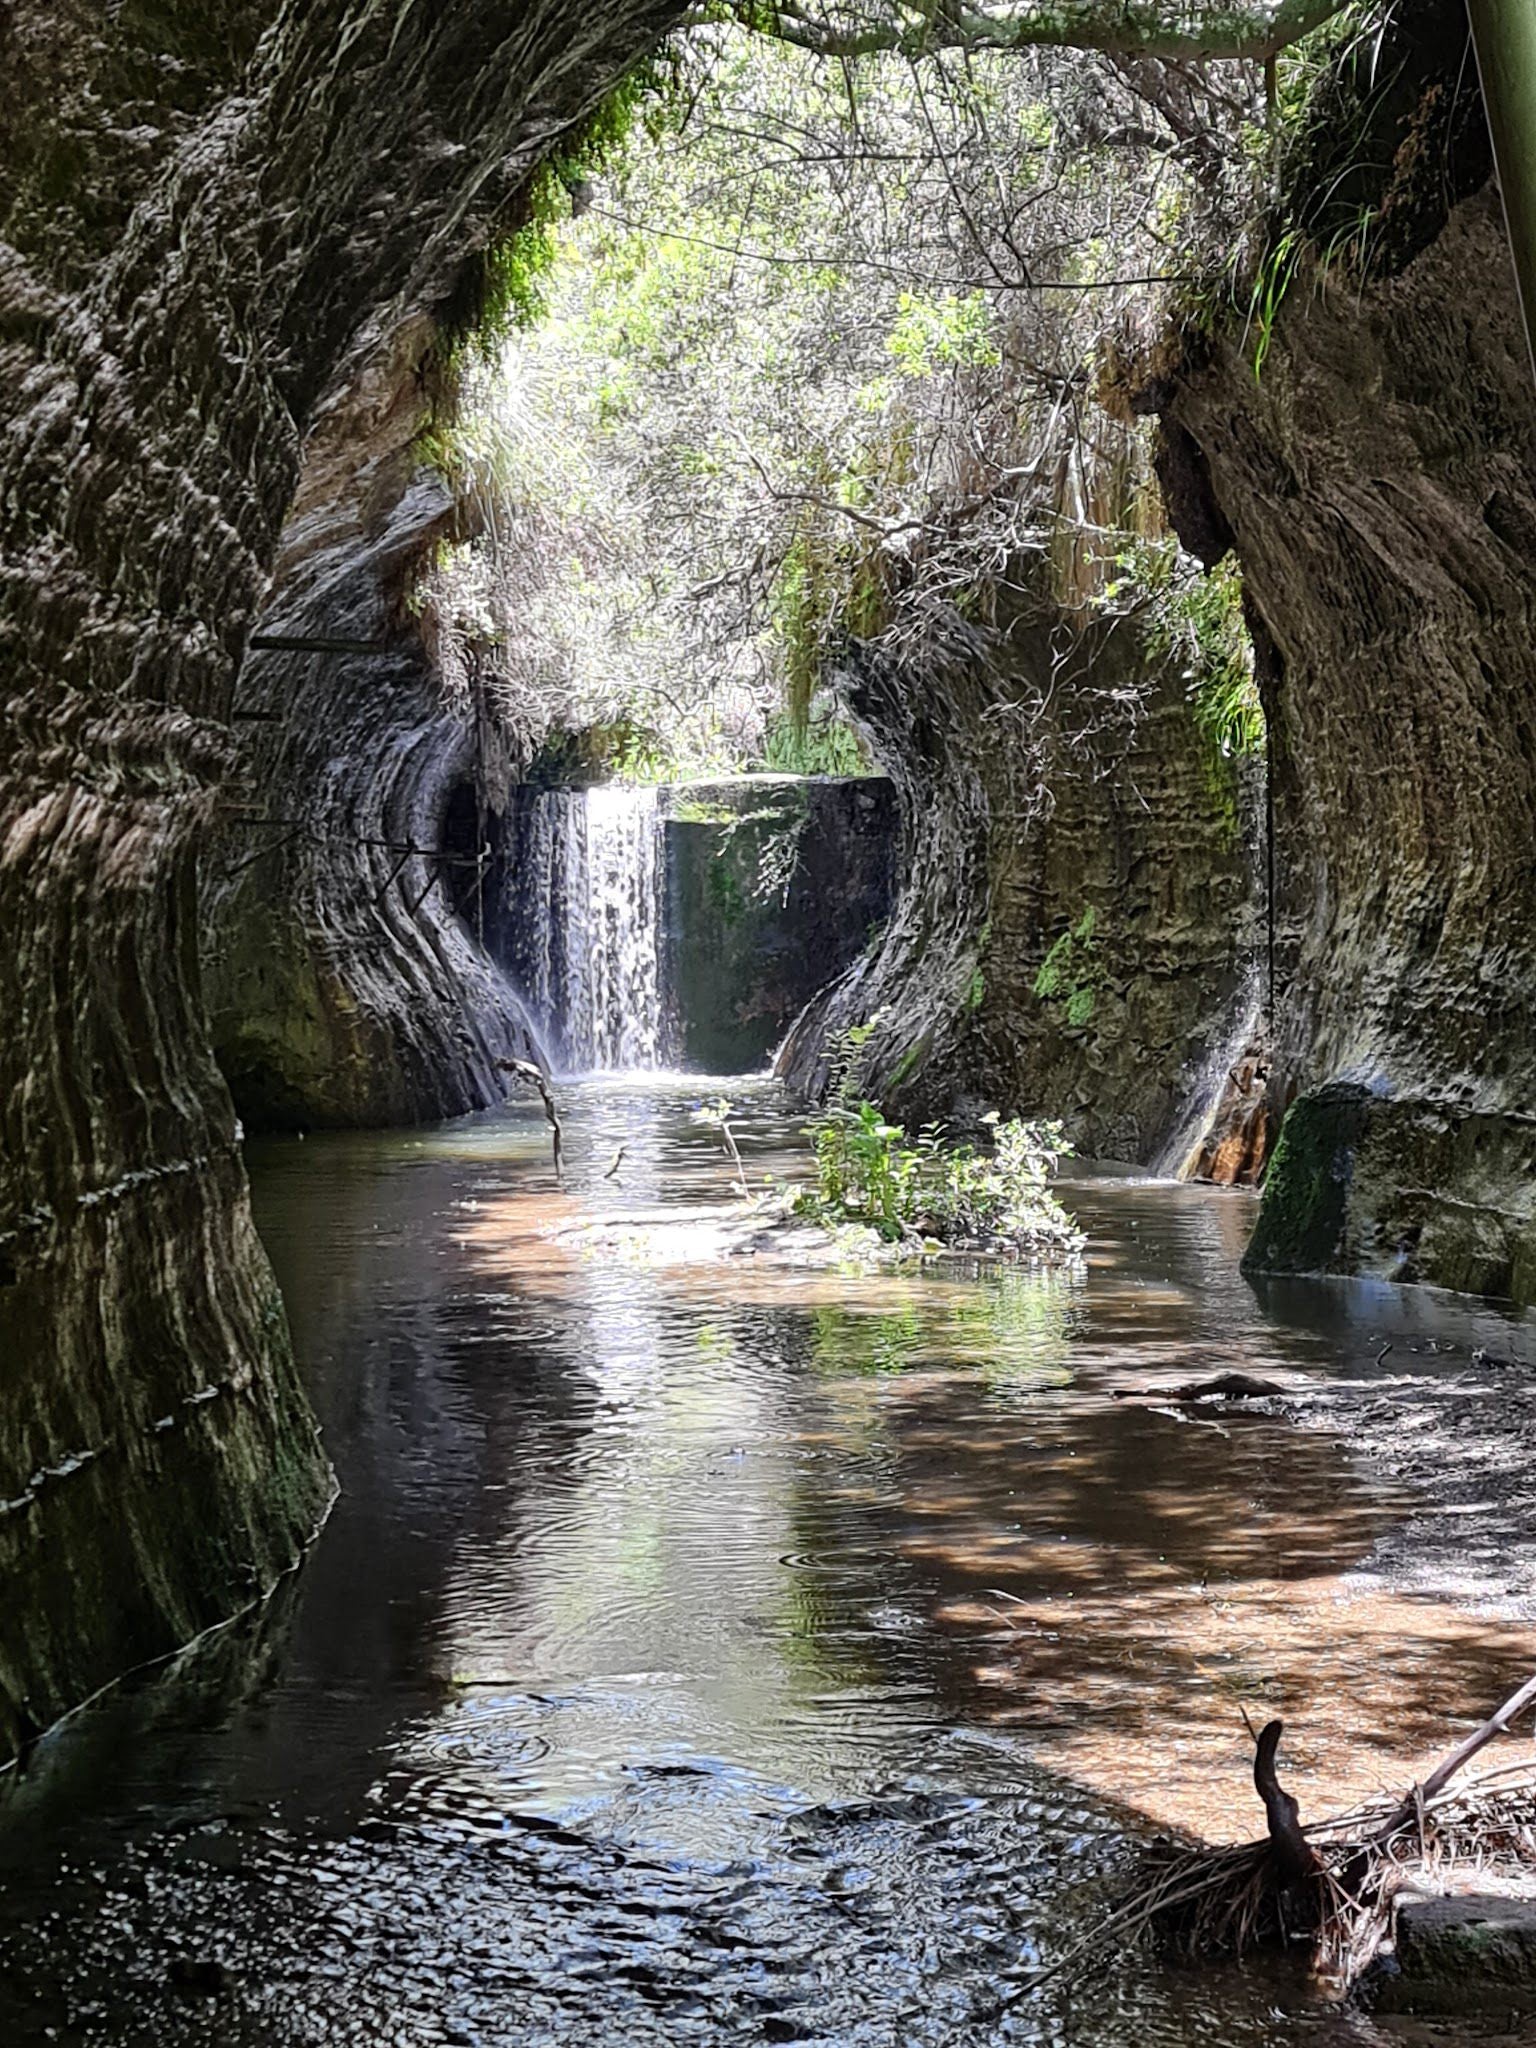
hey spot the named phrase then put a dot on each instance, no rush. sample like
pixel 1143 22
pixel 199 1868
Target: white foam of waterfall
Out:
pixel 588 890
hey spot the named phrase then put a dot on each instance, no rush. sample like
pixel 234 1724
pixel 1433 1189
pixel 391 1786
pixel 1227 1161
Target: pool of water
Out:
pixel 718 1652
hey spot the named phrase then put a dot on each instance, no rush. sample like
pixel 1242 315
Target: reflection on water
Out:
pixel 724 1652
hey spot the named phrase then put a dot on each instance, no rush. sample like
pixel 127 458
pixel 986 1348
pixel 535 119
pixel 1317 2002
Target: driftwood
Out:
pixel 1338 1878
pixel 1226 1386
pixel 525 1070
pixel 1294 1854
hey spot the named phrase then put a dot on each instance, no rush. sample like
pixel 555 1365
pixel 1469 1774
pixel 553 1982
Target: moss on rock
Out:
pixel 1303 1223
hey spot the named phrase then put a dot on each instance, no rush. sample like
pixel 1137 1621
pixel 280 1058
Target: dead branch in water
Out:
pixel 1226 1386
pixel 1294 1854
pixel 525 1070
pixel 1446 1769
pixel 1335 1880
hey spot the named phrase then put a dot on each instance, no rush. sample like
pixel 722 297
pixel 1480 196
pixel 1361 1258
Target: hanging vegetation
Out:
pixel 791 354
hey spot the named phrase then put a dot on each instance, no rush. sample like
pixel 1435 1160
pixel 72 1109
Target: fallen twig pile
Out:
pixel 1335 1882
pixel 1207 1902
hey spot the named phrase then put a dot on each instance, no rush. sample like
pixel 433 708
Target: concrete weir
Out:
pixel 773 886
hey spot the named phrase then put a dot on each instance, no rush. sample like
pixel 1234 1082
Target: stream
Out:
pixel 726 1654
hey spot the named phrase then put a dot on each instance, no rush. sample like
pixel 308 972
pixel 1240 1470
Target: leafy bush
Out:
pixel 865 1171
pixel 868 1171
pixel 508 285
pixel 751 405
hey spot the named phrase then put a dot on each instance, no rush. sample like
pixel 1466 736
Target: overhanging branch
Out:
pixel 1144 28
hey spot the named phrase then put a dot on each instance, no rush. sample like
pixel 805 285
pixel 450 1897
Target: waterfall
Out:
pixel 1180 1152
pixel 586 878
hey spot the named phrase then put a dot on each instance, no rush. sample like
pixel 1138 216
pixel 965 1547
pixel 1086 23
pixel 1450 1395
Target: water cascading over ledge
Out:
pixel 680 926
pixel 583 924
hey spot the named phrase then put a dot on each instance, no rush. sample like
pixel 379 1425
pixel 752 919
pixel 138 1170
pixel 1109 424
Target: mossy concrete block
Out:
pixel 1397 1187
pixel 1464 1955
pixel 773 884
pixel 1303 1223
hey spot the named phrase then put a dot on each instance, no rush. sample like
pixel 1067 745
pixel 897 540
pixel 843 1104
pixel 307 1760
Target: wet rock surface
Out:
pixel 1039 812
pixel 1380 480
pixel 1234 1149
pixel 212 226
pixel 342 987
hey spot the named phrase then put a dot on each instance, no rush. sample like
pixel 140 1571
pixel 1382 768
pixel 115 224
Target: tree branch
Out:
pixel 822 259
pixel 1446 1769
pixel 1228 29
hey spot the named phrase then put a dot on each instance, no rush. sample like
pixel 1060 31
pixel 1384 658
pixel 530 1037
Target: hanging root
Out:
pixel 1334 1883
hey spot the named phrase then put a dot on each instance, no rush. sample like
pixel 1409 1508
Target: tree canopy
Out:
pixel 812 359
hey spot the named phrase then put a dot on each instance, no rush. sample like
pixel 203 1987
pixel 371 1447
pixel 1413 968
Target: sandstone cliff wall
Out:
pixel 211 222
pixel 341 986
pixel 1379 480
pixel 1058 805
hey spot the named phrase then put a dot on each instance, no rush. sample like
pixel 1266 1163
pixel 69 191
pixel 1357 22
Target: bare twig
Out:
pixel 525 1070
pixel 1446 1769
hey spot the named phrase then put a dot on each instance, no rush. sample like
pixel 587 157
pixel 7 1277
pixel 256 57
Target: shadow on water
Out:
pixel 717 1653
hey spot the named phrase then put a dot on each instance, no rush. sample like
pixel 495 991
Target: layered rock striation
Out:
pixel 343 989
pixel 1078 913
pixel 1379 480
pixel 1370 454
pixel 213 222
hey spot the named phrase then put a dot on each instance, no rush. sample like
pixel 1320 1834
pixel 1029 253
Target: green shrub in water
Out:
pixel 869 1171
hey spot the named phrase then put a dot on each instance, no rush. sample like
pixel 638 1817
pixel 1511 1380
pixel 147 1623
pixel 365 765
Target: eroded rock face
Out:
pixel 1077 922
pixel 213 222
pixel 342 988
pixel 1381 482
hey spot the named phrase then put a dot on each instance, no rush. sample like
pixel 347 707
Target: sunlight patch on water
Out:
pixel 702 1643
